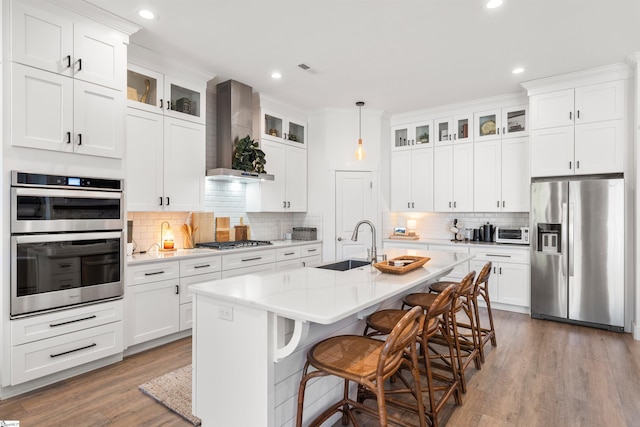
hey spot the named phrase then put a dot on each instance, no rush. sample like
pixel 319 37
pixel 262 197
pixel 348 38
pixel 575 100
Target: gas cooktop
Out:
pixel 233 245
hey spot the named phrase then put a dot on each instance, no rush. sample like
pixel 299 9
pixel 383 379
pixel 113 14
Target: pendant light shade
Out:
pixel 360 154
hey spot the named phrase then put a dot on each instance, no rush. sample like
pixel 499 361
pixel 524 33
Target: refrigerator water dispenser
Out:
pixel 549 238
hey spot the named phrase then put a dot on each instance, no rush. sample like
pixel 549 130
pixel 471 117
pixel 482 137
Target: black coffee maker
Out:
pixel 486 232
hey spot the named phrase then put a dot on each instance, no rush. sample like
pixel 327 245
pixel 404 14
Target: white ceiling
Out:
pixel 396 55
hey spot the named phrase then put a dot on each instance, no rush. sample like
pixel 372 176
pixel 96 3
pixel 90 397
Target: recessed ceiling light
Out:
pixel 276 75
pixel 517 70
pixel 492 4
pixel 147 14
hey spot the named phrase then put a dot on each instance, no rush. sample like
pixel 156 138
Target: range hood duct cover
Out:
pixel 234 112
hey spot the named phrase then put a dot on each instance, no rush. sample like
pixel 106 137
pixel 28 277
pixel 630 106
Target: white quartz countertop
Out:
pixel 323 296
pixel 469 243
pixel 157 256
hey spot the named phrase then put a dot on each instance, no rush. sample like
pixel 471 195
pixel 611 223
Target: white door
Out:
pixel 513 284
pixel 296 185
pixel 421 180
pixel 273 194
pixel 462 171
pixel 98 120
pixel 551 109
pixel 552 151
pixel 401 181
pixel 487 194
pixel 354 202
pixel 144 160
pixel 516 180
pixel 443 179
pixel 604 101
pixel 184 165
pixel 101 56
pixel 598 147
pixel 42 109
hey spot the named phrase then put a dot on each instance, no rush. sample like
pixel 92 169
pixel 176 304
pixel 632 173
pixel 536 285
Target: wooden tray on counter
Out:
pixel 417 261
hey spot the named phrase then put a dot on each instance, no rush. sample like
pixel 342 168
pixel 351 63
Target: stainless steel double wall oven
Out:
pixel 67 241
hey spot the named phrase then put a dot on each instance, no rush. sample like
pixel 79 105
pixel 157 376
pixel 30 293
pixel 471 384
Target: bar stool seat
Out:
pixel 367 362
pixel 441 286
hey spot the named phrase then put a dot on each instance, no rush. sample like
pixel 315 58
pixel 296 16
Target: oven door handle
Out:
pixel 67 237
pixel 76 194
pixel 102 262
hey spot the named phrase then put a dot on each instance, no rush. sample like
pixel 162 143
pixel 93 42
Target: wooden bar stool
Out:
pixel 481 289
pixel 367 362
pixel 466 344
pixel 439 385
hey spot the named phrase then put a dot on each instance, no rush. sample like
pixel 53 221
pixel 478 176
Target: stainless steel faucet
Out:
pixel 373 253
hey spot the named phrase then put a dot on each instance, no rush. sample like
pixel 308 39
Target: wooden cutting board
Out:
pixel 205 228
pixel 222 228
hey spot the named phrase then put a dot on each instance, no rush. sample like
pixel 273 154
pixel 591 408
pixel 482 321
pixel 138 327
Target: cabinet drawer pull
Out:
pixel 569 165
pixel 498 204
pixel 177 289
pixel 161 104
pixel 570 115
pixel 68 137
pixel 154 273
pixel 80 64
pixel 160 201
pixel 499 255
pixel 168 201
pixel 202 266
pixel 577 114
pixel 252 259
pixel 64 265
pixel 168 105
pixel 577 164
pixel 503 204
pixel 409 205
pixel 79 139
pixel 500 270
pixel 288 204
pixel 413 205
pixel 289 253
pixel 74 350
pixel 53 325
pixel 311 250
pixel 68 61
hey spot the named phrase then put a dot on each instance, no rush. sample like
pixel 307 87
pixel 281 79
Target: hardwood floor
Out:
pixel 541 374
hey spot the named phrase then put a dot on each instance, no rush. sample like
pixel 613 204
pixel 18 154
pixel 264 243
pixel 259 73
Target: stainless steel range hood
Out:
pixel 234 111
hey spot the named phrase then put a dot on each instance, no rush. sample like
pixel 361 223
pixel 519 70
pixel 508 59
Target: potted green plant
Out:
pixel 247 156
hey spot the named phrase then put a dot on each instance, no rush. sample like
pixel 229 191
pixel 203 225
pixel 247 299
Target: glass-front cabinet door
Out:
pixel 400 138
pixel 296 132
pixel 515 121
pixel 144 89
pixel 487 125
pixel 463 126
pixel 422 134
pixel 279 128
pixel 273 126
pixel 184 101
pixel 444 130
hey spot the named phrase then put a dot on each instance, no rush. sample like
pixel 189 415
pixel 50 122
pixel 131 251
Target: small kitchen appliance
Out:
pixel 516 235
pixel 233 245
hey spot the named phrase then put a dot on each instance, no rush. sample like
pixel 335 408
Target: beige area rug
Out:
pixel 173 390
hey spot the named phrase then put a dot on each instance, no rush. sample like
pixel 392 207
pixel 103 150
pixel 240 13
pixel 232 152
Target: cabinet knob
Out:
pixel 339 239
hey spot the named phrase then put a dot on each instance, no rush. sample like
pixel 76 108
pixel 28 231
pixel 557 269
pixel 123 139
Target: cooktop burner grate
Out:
pixel 233 245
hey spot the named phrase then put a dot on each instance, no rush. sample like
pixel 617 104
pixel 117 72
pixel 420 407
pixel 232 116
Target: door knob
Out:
pixel 339 239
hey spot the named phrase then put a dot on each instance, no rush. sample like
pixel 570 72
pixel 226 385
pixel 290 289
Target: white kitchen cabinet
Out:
pixel 455 128
pixel 194 271
pixel 412 136
pixel 311 255
pixel 453 178
pixel 288 191
pixel 501 123
pixel 280 128
pixel 412 179
pixel 578 131
pixel 52 342
pixel 165 163
pixel 584 104
pixel 509 283
pixel 48 39
pixel 155 92
pixel 63 114
pixel 501 175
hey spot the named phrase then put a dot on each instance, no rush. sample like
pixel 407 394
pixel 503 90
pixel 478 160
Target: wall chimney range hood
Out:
pixel 234 112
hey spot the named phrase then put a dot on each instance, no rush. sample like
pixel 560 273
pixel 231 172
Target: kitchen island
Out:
pixel 247 371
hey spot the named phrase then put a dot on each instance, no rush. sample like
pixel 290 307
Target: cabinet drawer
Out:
pixel 185 282
pixel 193 267
pixel 311 261
pixel 249 270
pixel 63 322
pixel 153 272
pixel 283 254
pixel 37 359
pixel 310 250
pixel 247 259
pixel 520 256
pixel 65 265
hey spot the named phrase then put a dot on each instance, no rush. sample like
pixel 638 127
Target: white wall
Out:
pixel 333 139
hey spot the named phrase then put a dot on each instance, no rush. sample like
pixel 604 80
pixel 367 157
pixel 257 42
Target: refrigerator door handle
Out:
pixel 564 238
pixel 570 243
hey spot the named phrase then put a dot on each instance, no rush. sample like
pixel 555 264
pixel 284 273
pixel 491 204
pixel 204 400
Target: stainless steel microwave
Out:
pixel 517 235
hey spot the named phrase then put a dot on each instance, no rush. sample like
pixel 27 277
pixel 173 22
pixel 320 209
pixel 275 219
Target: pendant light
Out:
pixel 360 154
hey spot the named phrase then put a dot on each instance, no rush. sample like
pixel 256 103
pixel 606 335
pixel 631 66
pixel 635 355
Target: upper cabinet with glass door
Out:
pixel 454 129
pixel 414 135
pixel 157 93
pixel 279 128
pixel 501 123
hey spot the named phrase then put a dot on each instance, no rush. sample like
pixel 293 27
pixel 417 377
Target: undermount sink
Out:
pixel 344 265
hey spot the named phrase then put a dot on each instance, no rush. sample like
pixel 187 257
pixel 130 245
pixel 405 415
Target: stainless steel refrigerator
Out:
pixel 577 250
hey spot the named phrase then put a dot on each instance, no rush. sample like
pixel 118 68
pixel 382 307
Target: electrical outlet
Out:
pixel 225 313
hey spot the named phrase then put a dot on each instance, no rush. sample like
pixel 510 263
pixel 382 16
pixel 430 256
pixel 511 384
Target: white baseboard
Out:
pixel 636 331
